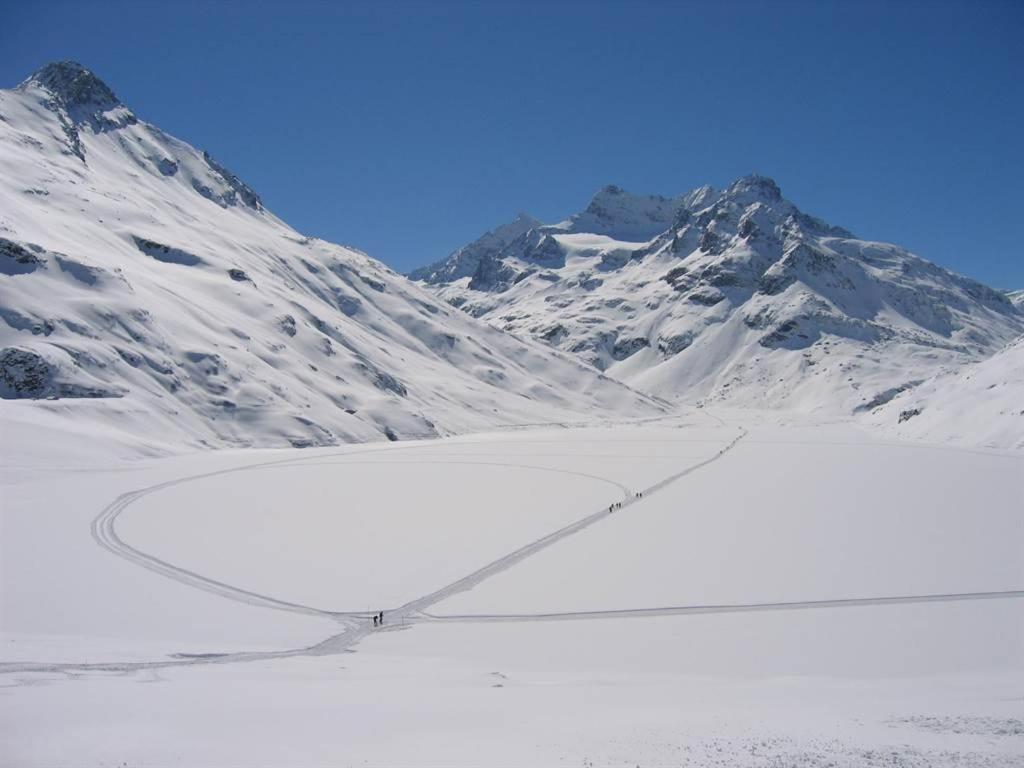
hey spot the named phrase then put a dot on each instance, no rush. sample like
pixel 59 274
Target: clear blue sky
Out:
pixel 407 129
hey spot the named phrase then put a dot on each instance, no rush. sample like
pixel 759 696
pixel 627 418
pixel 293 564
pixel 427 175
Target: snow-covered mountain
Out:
pixel 979 404
pixel 465 261
pixel 1017 297
pixel 144 285
pixel 732 296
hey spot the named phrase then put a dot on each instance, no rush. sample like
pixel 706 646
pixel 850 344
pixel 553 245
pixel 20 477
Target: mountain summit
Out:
pixel 733 296
pixel 74 85
pixel 145 288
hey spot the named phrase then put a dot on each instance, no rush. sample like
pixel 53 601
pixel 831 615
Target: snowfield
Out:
pixel 252 643
pixel 571 571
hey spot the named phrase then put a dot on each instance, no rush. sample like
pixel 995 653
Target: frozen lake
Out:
pixel 213 608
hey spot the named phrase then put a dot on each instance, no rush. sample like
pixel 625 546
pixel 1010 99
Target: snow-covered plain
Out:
pixel 108 663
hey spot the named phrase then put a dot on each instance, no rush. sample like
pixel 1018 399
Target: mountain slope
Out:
pixel 741 299
pixel 979 404
pixel 144 286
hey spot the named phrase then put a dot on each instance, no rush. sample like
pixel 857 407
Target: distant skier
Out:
pixel 380 618
pixel 375 619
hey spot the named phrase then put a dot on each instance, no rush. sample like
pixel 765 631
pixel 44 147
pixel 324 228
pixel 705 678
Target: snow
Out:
pixel 783 514
pixel 979 404
pixel 751 529
pixel 340 550
pixel 738 299
pixel 572 572
pixel 144 280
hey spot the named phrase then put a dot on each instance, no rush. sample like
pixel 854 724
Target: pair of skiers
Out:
pixel 378 619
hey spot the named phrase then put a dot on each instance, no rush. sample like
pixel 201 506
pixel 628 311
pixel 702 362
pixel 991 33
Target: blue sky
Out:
pixel 407 129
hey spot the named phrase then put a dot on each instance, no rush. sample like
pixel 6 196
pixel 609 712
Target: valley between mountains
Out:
pixel 694 480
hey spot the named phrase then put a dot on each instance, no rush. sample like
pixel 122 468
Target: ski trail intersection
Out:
pixel 356 625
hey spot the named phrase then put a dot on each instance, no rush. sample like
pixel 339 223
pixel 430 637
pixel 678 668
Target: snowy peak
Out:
pixel 145 281
pixel 737 296
pixel 82 115
pixel 624 216
pixel 79 100
pixel 754 188
pixel 74 86
pixel 466 260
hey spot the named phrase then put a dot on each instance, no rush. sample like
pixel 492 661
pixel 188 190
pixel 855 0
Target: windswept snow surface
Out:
pixel 146 290
pixel 113 660
pixel 733 297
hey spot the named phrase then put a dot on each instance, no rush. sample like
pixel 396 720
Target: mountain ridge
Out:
pixel 146 289
pixel 736 301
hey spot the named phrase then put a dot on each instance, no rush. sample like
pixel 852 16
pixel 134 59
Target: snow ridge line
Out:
pixel 677 610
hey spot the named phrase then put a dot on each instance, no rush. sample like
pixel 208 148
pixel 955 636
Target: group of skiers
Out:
pixel 618 504
pixel 378 619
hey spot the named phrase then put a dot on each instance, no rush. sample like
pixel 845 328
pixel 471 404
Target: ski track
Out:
pixel 357 624
pixel 676 610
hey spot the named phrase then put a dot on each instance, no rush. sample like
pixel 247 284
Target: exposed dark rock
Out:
pixel 523 275
pixel 673 345
pixel 628 347
pixel 748 228
pixel 909 414
pixel 25 374
pixel 547 252
pixel 376 285
pixel 677 277
pixel 712 243
pixel 235 185
pixel 884 397
pixel 492 275
pixel 707 297
pixel 382 380
pixel 554 334
pixel 19 258
pixel 75 85
pixel 166 253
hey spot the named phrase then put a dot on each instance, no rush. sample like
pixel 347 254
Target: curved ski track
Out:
pixel 356 624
